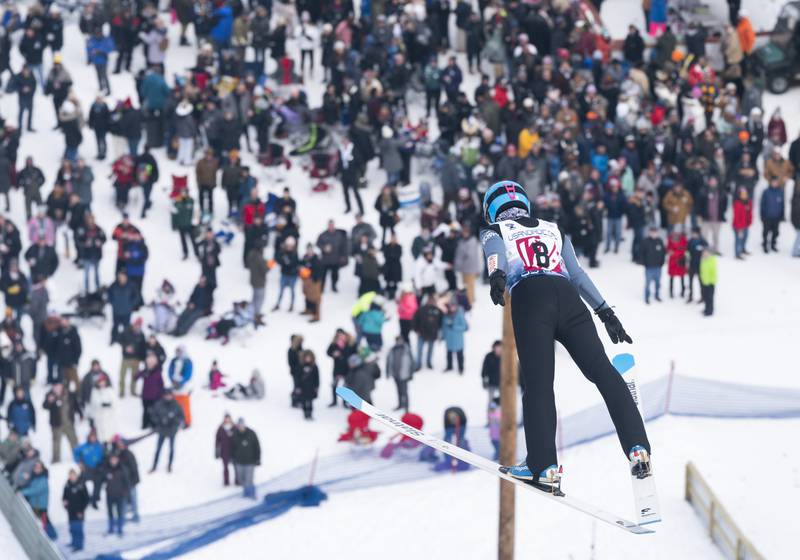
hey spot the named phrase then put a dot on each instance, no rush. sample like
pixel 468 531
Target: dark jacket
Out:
pixel 123 299
pixel 62 409
pixel 117 481
pixel 68 347
pixel 653 252
pixel 428 322
pixel 334 247
pixel 308 382
pixel 245 449
pixel 153 385
pixel 223 444
pixel 21 416
pixel 75 499
pixel 167 417
pixel 772 204
pixel 133 344
pixel 490 372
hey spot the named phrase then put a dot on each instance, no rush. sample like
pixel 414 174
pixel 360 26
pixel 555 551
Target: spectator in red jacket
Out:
pixel 742 220
pixel 676 265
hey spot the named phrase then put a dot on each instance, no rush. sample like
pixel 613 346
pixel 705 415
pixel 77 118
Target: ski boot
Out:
pixel 549 480
pixel 640 462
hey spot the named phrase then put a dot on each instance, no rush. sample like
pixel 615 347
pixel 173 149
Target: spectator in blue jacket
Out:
pixel 599 160
pixel 154 91
pixel 123 297
pixel 37 492
pixel 98 48
pixel 371 323
pixel 454 325
pixel 136 254
pixel 772 213
pixel 21 414
pixel 180 368
pixel 616 206
pixel 222 31
pixel 451 79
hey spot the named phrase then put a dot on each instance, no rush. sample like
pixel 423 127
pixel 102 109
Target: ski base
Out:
pixel 485 464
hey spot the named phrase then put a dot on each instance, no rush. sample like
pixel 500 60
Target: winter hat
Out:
pixel 354 361
pixel 387 132
pixel 183 109
pixel 240 421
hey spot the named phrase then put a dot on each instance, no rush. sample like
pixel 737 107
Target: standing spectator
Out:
pixel 118 488
pixel 695 247
pixel 708 280
pixel 387 206
pixel 711 206
pixel 743 219
pixel 340 349
pixel 152 388
pixel 289 262
pixel 75 499
pixel 128 461
pixel 182 217
pixel 490 371
pixel 362 374
pixel 100 123
pixel 432 80
pixel 616 205
pixel 14 286
pixel 101 409
pixel 21 415
pixel 186 132
pixel 98 48
pixel 246 455
pixel 58 83
pixel 258 268
pixel 37 492
pixel 333 244
pixel 312 273
pixel 400 366
pixel 308 383
pixel 24 84
pixel 133 346
pixel 467 262
pixel 451 79
pixel 167 418
pixel 124 299
pixel 653 257
pixel 68 353
pixel 223 443
pixel 206 174
pixel 676 251
pixel 370 323
pixel 677 204
pixel 63 406
pixel 89 239
pixel 30 179
pixel 454 325
pixel 427 325
pixel 772 213
pixel 392 266
pixel 407 306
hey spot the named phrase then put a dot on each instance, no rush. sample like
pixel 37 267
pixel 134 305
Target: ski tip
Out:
pixel 623 362
pixel 349 396
pixel 650 521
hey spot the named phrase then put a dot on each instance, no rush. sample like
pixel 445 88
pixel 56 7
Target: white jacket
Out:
pixel 307 37
pixel 102 410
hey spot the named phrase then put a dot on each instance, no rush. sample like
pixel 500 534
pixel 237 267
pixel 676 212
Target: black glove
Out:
pixel 615 329
pixel 497 284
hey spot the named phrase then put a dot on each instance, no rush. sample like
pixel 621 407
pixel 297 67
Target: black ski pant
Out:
pixel 544 309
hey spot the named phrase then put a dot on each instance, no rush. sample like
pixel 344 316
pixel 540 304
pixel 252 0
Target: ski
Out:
pixel 484 464
pixel 645 497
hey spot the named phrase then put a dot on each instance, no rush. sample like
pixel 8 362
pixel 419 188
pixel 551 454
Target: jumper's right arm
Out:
pixel 494 249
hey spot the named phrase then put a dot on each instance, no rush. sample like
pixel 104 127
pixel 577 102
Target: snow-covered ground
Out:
pixel 750 339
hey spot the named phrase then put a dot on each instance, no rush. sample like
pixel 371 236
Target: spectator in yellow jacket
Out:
pixel 708 280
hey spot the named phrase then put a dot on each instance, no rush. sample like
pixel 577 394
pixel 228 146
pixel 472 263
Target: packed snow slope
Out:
pixel 750 339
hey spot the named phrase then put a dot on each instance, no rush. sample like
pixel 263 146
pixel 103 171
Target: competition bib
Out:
pixel 532 250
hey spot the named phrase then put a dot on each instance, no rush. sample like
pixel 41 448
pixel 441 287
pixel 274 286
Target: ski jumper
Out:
pixel 546 284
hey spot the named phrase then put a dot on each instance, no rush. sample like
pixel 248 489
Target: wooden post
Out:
pixel 508 434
